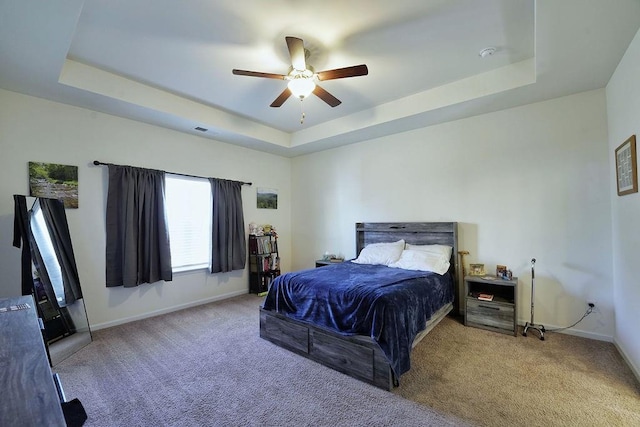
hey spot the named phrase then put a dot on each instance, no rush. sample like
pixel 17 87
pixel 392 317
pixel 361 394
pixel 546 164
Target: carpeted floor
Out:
pixel 207 366
pixel 499 380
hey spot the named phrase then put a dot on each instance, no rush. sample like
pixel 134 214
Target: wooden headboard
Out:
pixel 416 233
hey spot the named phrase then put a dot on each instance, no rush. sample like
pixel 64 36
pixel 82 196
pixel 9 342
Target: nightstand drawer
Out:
pixel 492 314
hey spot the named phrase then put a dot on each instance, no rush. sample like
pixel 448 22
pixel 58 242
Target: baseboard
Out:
pixel 584 334
pixel 627 359
pixel 122 321
pixel 576 333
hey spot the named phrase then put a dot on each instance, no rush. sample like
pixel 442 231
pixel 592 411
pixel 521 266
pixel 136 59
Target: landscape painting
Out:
pixel 267 198
pixel 54 181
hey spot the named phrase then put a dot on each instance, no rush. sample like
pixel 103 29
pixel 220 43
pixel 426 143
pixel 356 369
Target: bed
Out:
pixel 401 306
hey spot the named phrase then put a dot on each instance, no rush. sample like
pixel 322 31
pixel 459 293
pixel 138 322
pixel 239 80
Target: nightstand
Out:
pixel 323 262
pixel 500 313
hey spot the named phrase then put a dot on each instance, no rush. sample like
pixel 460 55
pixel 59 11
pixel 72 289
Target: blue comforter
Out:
pixel 390 305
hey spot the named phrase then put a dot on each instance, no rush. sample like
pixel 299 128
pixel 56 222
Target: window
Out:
pixel 188 204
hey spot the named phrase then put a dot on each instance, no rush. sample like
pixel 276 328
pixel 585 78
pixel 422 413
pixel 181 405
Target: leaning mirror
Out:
pixel 55 282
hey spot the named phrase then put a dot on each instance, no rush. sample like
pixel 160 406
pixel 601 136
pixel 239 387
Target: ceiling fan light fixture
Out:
pixel 302 78
pixel 301 86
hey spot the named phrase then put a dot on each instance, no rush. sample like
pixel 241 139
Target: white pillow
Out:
pixel 443 250
pixel 380 253
pixel 411 259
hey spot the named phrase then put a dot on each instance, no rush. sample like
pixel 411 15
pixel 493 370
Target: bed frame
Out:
pixel 360 356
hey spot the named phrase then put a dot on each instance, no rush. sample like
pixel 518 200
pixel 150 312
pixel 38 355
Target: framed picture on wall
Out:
pixel 267 198
pixel 54 181
pixel 626 167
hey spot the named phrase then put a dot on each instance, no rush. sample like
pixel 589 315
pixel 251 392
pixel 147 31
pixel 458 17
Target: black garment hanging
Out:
pixel 21 238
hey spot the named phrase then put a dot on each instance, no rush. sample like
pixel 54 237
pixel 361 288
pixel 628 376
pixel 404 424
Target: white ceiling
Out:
pixel 169 62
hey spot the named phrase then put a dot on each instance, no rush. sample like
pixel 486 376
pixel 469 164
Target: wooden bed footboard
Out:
pixel 356 356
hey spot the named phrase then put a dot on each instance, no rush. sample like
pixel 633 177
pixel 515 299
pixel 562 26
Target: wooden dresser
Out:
pixel 29 394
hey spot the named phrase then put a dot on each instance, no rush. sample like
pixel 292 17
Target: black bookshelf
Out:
pixel 264 262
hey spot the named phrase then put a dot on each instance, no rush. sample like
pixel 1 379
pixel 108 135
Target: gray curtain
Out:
pixel 138 248
pixel 228 240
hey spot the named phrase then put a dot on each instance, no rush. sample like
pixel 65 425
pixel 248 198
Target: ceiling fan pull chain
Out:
pixel 302 112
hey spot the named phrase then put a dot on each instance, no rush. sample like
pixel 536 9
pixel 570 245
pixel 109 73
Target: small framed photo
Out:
pixel 626 167
pixel 476 269
pixel 501 270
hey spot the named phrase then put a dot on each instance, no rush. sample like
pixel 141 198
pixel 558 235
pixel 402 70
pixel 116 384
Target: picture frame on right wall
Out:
pixel 626 167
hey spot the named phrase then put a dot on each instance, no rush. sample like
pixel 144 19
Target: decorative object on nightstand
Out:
pixel 503 272
pixel 532 325
pixel 264 261
pixel 461 254
pixel 328 259
pixel 490 303
pixel 476 269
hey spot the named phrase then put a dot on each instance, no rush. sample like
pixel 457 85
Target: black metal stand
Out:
pixel 532 325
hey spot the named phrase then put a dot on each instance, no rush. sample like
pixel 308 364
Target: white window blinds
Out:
pixel 188 205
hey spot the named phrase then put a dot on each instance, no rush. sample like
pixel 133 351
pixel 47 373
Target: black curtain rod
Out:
pixel 97 163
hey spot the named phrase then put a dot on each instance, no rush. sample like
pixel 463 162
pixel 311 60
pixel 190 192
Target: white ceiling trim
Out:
pixel 475 87
pixel 101 82
pixel 218 122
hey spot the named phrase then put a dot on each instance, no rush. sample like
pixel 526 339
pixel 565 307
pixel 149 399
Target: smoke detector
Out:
pixel 487 51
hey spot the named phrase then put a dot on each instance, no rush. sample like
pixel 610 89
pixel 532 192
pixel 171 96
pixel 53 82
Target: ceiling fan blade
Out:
pixel 296 51
pixel 341 73
pixel 258 74
pixel 326 96
pixel 281 98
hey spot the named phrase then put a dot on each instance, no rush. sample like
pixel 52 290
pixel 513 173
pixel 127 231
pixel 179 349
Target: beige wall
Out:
pixel 33 129
pixel 532 181
pixel 623 110
pixel 527 182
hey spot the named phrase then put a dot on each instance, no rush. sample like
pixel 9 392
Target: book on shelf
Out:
pixel 485 297
pixel 262 244
pixel 265 245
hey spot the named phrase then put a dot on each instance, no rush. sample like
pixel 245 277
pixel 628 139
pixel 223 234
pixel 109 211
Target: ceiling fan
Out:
pixel 302 77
